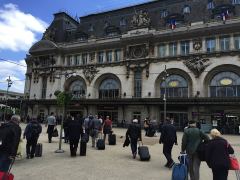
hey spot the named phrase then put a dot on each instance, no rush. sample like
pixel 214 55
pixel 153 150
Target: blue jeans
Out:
pixel 4 163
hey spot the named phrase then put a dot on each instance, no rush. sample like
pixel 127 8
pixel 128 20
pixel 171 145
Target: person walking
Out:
pixel 191 139
pixel 66 129
pixel 134 134
pixel 10 134
pixel 107 127
pixel 75 129
pixel 146 125
pixel 217 155
pixel 31 133
pixel 51 123
pixel 96 128
pixel 168 138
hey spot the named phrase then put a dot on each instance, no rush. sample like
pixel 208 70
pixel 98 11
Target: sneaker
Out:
pixel 28 156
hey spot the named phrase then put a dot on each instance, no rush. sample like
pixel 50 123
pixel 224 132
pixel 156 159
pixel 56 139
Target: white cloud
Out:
pixel 18 30
pixel 16 73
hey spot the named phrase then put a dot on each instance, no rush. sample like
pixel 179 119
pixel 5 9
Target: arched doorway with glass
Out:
pixel 78 89
pixel 109 89
pixel 225 84
pixel 175 86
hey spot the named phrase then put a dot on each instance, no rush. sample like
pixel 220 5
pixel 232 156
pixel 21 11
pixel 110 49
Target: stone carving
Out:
pixel 138 51
pixel 137 67
pixel 141 19
pixel 197 44
pixel 90 72
pixel 197 65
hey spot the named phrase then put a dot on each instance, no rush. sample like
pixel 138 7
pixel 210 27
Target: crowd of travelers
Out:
pixel 196 146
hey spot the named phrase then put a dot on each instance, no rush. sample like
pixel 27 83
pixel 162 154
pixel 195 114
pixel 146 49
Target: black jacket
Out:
pixel 10 135
pixel 134 132
pixel 74 129
pixel 168 134
pixel 217 153
pixel 33 130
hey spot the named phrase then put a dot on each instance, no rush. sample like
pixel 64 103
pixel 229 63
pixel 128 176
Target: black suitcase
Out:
pixel 100 144
pixel 112 139
pixel 144 153
pixel 38 150
pixel 83 148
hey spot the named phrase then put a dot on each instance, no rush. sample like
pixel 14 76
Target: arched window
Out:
pixel 186 9
pixel 109 88
pixel 176 86
pixel 225 84
pixel 78 89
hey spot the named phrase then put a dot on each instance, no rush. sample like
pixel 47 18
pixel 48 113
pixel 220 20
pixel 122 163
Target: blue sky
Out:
pixel 22 23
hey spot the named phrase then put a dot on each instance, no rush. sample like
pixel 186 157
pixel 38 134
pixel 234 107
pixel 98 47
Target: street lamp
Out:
pixel 66 75
pixel 9 81
pixel 165 75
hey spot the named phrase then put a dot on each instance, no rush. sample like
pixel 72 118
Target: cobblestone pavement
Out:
pixel 114 163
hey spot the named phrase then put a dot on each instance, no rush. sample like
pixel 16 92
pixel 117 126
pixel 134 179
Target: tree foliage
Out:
pixel 63 98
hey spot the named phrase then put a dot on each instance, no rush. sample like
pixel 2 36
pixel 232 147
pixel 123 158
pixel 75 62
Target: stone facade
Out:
pixel 119 57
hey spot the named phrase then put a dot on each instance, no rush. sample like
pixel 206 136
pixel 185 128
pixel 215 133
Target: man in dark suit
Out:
pixel 168 138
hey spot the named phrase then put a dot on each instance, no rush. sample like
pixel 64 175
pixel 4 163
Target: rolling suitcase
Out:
pixel 38 150
pixel 112 139
pixel 7 175
pixel 144 153
pixel 83 148
pixel 180 170
pixel 100 144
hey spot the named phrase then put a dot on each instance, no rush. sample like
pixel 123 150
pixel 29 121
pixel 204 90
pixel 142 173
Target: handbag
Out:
pixel 234 165
pixel 55 133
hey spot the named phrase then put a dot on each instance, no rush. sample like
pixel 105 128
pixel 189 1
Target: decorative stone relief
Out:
pixel 140 19
pixel 137 66
pixel 197 65
pixel 197 44
pixel 90 72
pixel 138 51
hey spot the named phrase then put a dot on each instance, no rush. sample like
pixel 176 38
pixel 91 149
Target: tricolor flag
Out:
pixel 225 15
pixel 172 24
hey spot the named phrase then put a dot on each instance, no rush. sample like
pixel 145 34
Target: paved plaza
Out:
pixel 114 163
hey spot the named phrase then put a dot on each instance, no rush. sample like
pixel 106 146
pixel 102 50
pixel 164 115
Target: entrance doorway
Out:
pixel 110 111
pixel 180 119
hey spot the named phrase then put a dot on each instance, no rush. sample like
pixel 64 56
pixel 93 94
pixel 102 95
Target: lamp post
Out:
pixel 165 91
pixel 66 75
pixel 9 81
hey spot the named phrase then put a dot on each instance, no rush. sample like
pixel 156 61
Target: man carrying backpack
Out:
pixel 32 132
pixel 191 139
pixel 10 134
